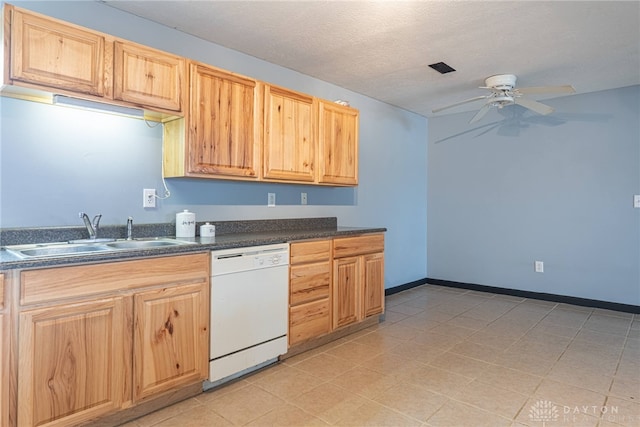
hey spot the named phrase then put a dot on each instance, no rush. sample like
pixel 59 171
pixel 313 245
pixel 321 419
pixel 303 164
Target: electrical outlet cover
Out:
pixel 149 198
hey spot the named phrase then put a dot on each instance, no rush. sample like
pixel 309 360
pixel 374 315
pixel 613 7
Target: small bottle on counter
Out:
pixel 185 224
pixel 207 230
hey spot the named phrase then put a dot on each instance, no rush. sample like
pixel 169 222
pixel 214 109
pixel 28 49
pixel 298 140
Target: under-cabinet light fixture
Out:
pixel 97 106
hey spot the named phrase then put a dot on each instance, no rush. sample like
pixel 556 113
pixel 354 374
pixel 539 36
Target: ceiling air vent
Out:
pixel 441 67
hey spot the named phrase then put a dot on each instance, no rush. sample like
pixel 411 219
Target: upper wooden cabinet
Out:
pixel 289 135
pixel 338 144
pixel 218 124
pixel 148 77
pixel 50 53
pixel 223 134
pixel 54 56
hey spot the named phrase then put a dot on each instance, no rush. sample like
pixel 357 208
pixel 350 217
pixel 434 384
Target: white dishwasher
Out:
pixel 249 310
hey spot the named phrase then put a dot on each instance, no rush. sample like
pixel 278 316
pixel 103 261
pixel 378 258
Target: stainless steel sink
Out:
pixel 55 249
pixel 145 244
pixel 68 249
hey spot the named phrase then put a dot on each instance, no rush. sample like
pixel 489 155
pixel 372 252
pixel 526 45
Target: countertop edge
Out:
pixel 226 241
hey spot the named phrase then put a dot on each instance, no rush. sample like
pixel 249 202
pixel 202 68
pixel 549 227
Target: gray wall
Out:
pixel 515 188
pixel 57 161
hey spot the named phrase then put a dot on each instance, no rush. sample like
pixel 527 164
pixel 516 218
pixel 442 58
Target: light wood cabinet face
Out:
pixel 289 135
pixel 309 320
pixel 346 291
pixel 224 131
pixel 373 285
pixel 338 142
pixel 4 353
pixel 309 282
pixel 309 290
pixel 49 53
pixel 358 278
pixel 171 338
pixel 148 77
pixel 71 362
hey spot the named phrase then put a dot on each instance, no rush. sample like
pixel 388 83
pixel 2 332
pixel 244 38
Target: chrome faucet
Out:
pixel 92 228
pixel 130 228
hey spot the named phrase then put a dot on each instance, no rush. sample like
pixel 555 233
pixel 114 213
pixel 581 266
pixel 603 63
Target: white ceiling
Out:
pixel 382 48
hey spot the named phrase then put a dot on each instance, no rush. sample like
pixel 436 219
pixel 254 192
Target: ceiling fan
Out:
pixel 504 92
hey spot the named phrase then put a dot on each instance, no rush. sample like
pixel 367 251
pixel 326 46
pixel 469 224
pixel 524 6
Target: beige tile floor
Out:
pixel 445 357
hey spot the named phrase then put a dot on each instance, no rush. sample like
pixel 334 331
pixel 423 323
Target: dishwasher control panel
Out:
pixel 266 260
pixel 226 261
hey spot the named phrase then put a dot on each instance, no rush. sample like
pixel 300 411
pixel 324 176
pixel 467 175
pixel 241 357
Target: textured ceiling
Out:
pixel 382 48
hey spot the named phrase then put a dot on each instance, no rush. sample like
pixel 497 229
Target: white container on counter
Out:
pixel 207 230
pixel 185 224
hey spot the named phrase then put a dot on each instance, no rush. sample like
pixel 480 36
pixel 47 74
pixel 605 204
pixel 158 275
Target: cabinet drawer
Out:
pixel 309 320
pixel 309 282
pixel 350 246
pixel 37 286
pixel 318 250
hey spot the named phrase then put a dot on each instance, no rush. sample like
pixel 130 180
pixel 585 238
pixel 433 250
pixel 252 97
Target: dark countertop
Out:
pixel 255 237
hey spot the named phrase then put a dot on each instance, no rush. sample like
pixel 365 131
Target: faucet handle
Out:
pixel 96 221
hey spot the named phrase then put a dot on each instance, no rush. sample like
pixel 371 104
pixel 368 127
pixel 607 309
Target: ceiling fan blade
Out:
pixel 480 114
pixel 546 89
pixel 477 98
pixel 534 106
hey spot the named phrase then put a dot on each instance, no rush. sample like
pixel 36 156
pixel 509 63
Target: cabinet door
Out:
pixel 224 132
pixel 171 338
pixel 289 135
pixel 148 77
pixel 4 352
pixel 346 291
pixel 49 53
pixel 373 284
pixel 338 142
pixel 71 362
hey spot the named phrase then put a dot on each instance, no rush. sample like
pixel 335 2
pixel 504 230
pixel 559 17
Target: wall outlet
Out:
pixel 636 201
pixel 149 198
pixel 303 198
pixel 271 200
pixel 538 266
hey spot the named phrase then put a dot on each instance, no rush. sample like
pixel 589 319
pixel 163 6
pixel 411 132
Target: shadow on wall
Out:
pixel 518 119
pixel 187 191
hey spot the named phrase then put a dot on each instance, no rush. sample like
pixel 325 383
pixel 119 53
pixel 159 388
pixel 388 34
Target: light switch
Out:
pixel 636 201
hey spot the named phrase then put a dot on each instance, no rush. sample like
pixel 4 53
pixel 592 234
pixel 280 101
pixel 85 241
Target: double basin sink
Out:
pixel 79 247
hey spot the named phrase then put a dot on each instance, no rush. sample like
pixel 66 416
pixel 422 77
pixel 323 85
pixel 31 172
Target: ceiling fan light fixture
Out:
pixel 501 100
pixel 442 68
pixel 501 81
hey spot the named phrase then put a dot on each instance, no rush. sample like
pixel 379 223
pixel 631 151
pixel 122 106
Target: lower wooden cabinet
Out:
pixel 358 278
pixel 171 344
pixel 4 353
pixel 71 366
pixel 346 289
pixel 373 284
pixel 309 320
pixel 334 283
pixel 111 336
pixel 309 290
